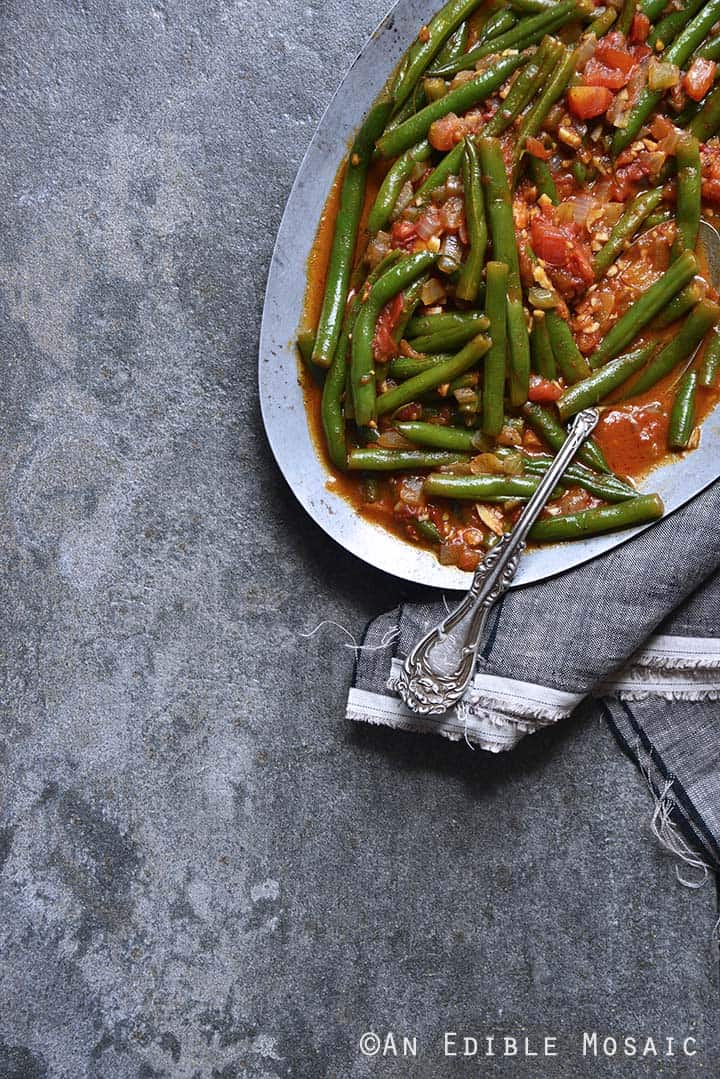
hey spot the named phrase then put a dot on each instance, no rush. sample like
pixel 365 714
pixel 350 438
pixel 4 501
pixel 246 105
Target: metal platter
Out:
pixel 281 395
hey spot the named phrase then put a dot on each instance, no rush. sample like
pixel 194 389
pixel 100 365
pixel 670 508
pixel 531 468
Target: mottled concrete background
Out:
pixel 205 872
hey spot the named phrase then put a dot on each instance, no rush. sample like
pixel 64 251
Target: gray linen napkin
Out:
pixel 638 627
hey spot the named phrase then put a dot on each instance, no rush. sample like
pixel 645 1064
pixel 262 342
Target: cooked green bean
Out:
pixel 601 25
pixel 652 8
pixel 710 50
pixel 424 325
pixel 689 183
pixel 447 340
pixel 451 165
pixel 564 65
pixel 455 45
pixel 645 308
pixel 596 521
pixel 600 383
pixel 570 361
pixel 527 32
pixel 622 232
pixel 441 437
pixel 497 24
pixel 679 305
pixel 544 423
pixel 608 487
pixel 374 459
pixel 682 416
pixel 707 122
pixel 670 26
pixel 495 361
pixel 459 100
pixel 436 376
pixel 702 318
pixel 469 281
pixel 543 359
pixel 711 360
pixel 625 17
pixel 385 289
pixel 347 221
pixel 502 227
pixel 678 53
pixel 404 367
pixel 542 177
pixel 483 488
pixel 394 181
pixel 305 342
pixel 429 44
pixel 411 300
pixel 522 90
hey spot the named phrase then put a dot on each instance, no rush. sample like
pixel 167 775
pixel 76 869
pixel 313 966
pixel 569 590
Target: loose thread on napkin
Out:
pixel 664 829
pixel 388 638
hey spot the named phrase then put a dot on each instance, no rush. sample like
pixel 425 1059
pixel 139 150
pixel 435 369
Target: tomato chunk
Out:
pixel 586 102
pixel 639 29
pixel 384 347
pixel 699 78
pixel 543 389
pixel 536 148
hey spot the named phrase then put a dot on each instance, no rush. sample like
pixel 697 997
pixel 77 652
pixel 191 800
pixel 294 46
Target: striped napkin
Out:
pixel 638 629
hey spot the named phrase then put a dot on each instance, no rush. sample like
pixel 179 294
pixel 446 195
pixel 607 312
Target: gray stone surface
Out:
pixel 205 872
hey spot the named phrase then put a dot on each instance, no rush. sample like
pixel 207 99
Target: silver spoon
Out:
pixel 438 670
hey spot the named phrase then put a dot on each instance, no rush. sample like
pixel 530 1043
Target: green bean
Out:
pixel 541 352
pixel 689 183
pixel 629 325
pixel 652 8
pixel 594 522
pixel 502 227
pixel 670 26
pixel 625 17
pixel 392 281
pixel 335 388
pixel 459 100
pixel 707 122
pixel 305 342
pixel 609 488
pixel 522 90
pixel 347 222
pixel 440 436
pixel 405 367
pixel 678 53
pixel 446 340
pixel 422 325
pixel 450 165
pixel 436 376
pixel 374 459
pixel 497 24
pixel 438 30
pixel 544 423
pixel 624 230
pixel 527 32
pixel 600 383
pixel 680 305
pixel 660 217
pixel 702 318
pixel 711 49
pixel 468 283
pixel 711 361
pixel 483 488
pixel 563 66
pixel 411 299
pixel 542 177
pixel 393 183
pixel 494 367
pixel 427 530
pixel 570 361
pixel 600 26
pixel 682 416
pixel 455 45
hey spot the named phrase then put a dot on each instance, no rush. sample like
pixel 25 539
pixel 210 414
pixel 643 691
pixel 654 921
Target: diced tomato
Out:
pixel 543 389
pixel 597 74
pixel 612 51
pixel 446 131
pixel 699 78
pixel 536 148
pixel 711 190
pixel 562 250
pixel 587 102
pixel 384 347
pixel 403 234
pixel 639 29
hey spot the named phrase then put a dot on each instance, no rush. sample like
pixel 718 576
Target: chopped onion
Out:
pixel 393 440
pixel 581 207
pixel 411 490
pixel 403 200
pixel 433 291
pixel 543 298
pixel 454 185
pixel 585 49
pixel 450 254
pixel 662 75
pixel 564 214
pixel 453 213
pixel 378 248
pixel 491 517
pixel 435 89
pixel 429 224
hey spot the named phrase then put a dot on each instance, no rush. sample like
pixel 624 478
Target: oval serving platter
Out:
pixel 281 394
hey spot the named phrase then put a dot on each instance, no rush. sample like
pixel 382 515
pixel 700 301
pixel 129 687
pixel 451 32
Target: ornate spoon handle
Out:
pixel 438 670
